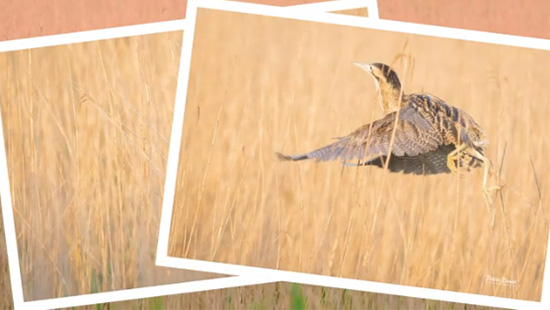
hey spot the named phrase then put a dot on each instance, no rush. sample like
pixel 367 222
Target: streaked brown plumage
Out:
pixel 430 136
pixel 420 134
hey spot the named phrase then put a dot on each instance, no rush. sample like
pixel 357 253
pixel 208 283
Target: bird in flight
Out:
pixel 419 134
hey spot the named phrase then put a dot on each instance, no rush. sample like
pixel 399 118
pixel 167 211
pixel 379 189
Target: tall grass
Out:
pixel 5 285
pixel 287 296
pixel 87 129
pixel 70 113
pixel 289 86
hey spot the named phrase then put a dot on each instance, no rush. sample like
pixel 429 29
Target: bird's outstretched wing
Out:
pixel 433 162
pixel 414 135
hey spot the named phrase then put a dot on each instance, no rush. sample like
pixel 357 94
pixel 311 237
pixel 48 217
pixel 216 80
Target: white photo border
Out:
pixel 5 194
pixel 304 278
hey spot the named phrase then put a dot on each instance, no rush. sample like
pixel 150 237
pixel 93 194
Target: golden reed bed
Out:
pixel 87 129
pixel 100 226
pixel 290 86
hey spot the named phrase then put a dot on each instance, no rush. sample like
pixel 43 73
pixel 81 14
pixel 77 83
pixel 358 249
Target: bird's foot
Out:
pixel 451 164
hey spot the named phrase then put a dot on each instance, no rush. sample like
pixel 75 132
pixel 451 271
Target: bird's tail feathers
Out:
pixel 283 157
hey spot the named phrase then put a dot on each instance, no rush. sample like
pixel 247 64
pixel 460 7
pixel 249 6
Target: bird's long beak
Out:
pixel 364 66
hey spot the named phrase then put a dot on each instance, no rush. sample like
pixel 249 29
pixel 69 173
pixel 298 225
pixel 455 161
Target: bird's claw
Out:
pixel 451 165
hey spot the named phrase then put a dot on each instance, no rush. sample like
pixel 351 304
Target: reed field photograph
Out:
pixel 86 129
pixel 364 154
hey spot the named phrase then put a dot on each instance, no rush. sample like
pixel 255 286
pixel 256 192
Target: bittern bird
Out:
pixel 420 134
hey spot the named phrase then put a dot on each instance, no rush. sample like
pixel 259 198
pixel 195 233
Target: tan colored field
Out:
pixel 78 119
pixel 51 258
pixel 287 296
pixel 289 86
pixel 6 300
pixel 275 295
pixel 361 12
pixel 137 78
pixel 87 129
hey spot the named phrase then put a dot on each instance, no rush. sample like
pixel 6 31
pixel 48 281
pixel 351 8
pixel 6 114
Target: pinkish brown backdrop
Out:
pixel 30 18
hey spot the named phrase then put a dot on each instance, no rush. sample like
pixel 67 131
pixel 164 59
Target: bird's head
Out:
pixel 382 74
pixel 387 84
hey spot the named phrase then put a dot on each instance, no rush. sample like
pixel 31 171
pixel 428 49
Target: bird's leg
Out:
pixel 455 156
pixel 486 189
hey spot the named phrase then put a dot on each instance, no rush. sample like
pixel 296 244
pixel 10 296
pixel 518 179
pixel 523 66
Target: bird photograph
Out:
pixel 419 134
pixel 364 154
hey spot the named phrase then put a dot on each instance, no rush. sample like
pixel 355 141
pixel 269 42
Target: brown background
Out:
pixel 30 18
pixel 525 18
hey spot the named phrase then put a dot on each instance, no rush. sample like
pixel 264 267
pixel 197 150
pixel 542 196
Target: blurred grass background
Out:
pixel 87 129
pixel 285 296
pixel 66 94
pixel 277 295
pixel 265 296
pixel 290 86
